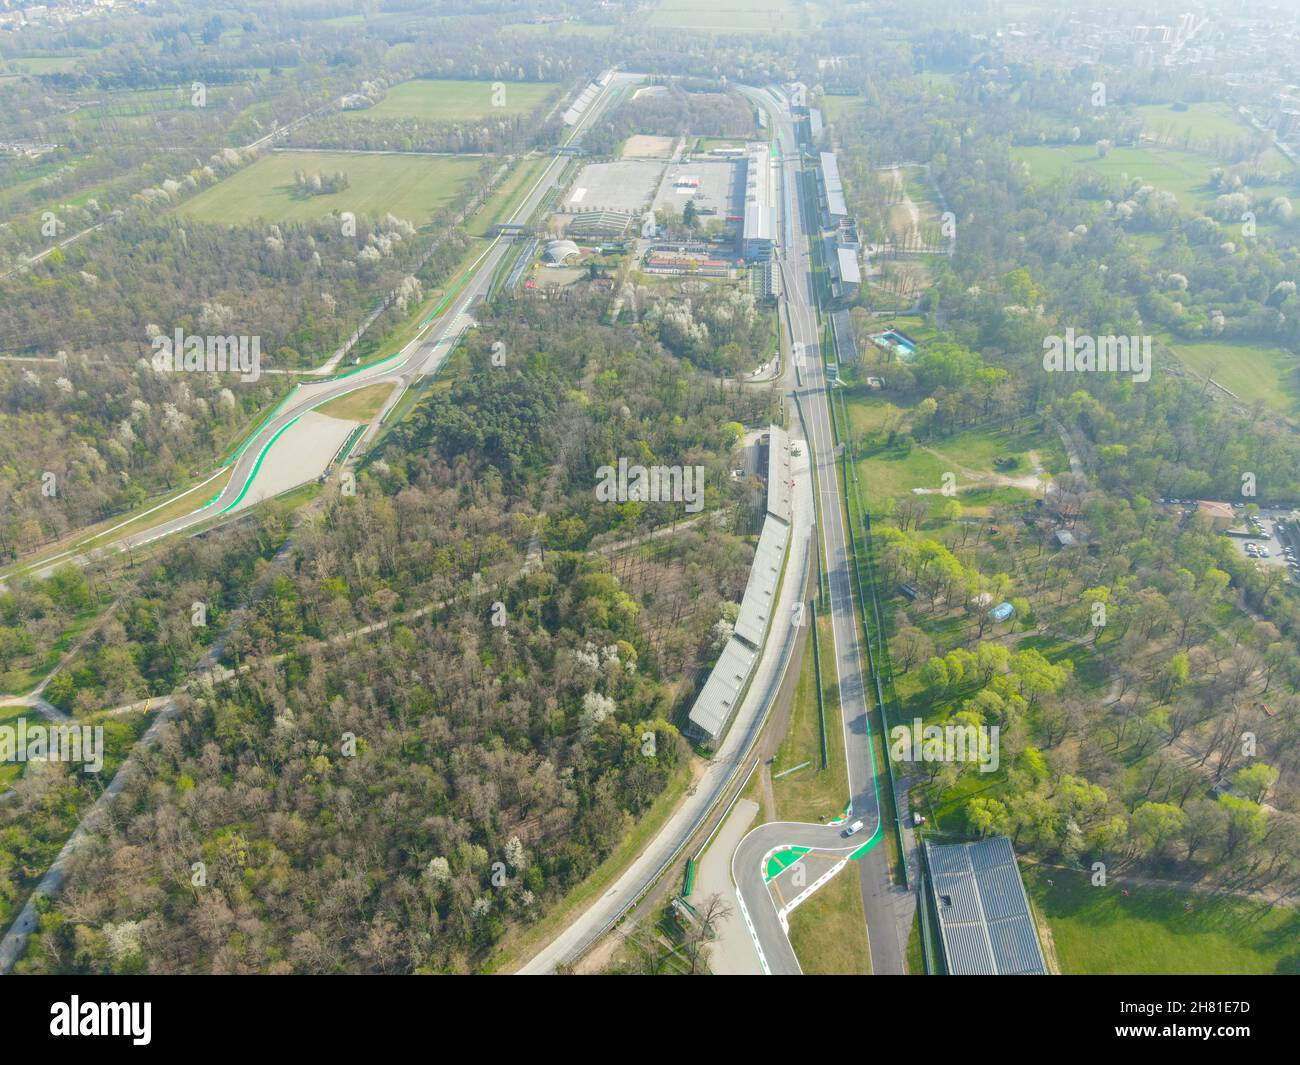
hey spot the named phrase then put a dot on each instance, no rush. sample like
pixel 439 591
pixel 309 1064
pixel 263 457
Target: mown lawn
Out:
pixel 1185 173
pixel 358 406
pixel 452 101
pixel 410 187
pixel 812 793
pixel 1099 930
pixel 1199 124
pixel 1256 373
pixel 829 930
pixel 738 16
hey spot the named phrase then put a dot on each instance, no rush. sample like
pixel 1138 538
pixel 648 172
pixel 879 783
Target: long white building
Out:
pixel 721 693
pixel 759 234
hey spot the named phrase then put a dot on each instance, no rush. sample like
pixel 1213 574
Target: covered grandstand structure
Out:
pixel 610 224
pixel 832 189
pixel 758 235
pixel 846 348
pixel 721 694
pixel 983 911
pixel 846 264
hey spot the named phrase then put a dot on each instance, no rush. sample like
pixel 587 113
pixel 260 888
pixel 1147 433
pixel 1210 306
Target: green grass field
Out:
pixel 812 793
pixel 453 101
pixel 359 406
pixel 411 187
pixel 834 108
pixel 1199 124
pixel 737 16
pixel 559 29
pixel 1257 373
pixel 893 474
pixel 1184 173
pixel 829 930
pixel 1100 931
pixel 978 449
pixel 42 64
pixel 9 715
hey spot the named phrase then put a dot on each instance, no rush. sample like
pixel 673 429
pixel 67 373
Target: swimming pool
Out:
pixel 896 342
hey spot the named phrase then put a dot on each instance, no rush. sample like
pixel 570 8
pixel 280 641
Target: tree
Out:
pixel 1155 825
pixel 1173 676
pixel 935 677
pixel 704 930
pixel 1245 824
pixel 1255 780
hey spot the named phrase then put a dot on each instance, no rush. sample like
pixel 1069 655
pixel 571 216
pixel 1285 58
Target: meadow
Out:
pixel 1256 373
pixel 737 16
pixel 1197 124
pixel 411 187
pixel 456 101
pixel 1184 173
pixel 1099 930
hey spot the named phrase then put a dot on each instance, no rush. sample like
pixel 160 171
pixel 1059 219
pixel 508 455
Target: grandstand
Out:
pixel 721 693
pixel 984 917
pixel 759 227
pixel 832 190
pixel 613 224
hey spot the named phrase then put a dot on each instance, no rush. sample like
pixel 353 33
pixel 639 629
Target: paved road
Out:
pixel 718 776
pixel 849 656
pixel 757 908
pixel 426 354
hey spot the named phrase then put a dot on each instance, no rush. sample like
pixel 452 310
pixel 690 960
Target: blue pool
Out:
pixel 896 342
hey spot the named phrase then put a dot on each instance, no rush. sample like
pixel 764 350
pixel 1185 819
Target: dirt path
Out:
pixel 1034 482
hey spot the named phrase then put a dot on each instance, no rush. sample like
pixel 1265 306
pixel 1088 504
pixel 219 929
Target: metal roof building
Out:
pixel 983 910
pixel 815 122
pixel 720 695
pixel 612 224
pixel 836 206
pixel 758 234
pixel 850 274
pixel 581 104
pixel 846 348
pixel 778 475
pixel 718 698
pixel 557 251
pixel 764 576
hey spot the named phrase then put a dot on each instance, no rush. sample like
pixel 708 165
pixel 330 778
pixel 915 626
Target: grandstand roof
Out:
pixel 830 169
pixel 983 910
pixel 846 348
pixel 764 576
pixel 599 223
pixel 850 273
pixel 718 698
pixel 758 193
pixel 778 474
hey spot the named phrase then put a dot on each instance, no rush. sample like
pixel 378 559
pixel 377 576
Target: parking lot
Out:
pixel 720 191
pixel 623 186
pixel 1273 543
